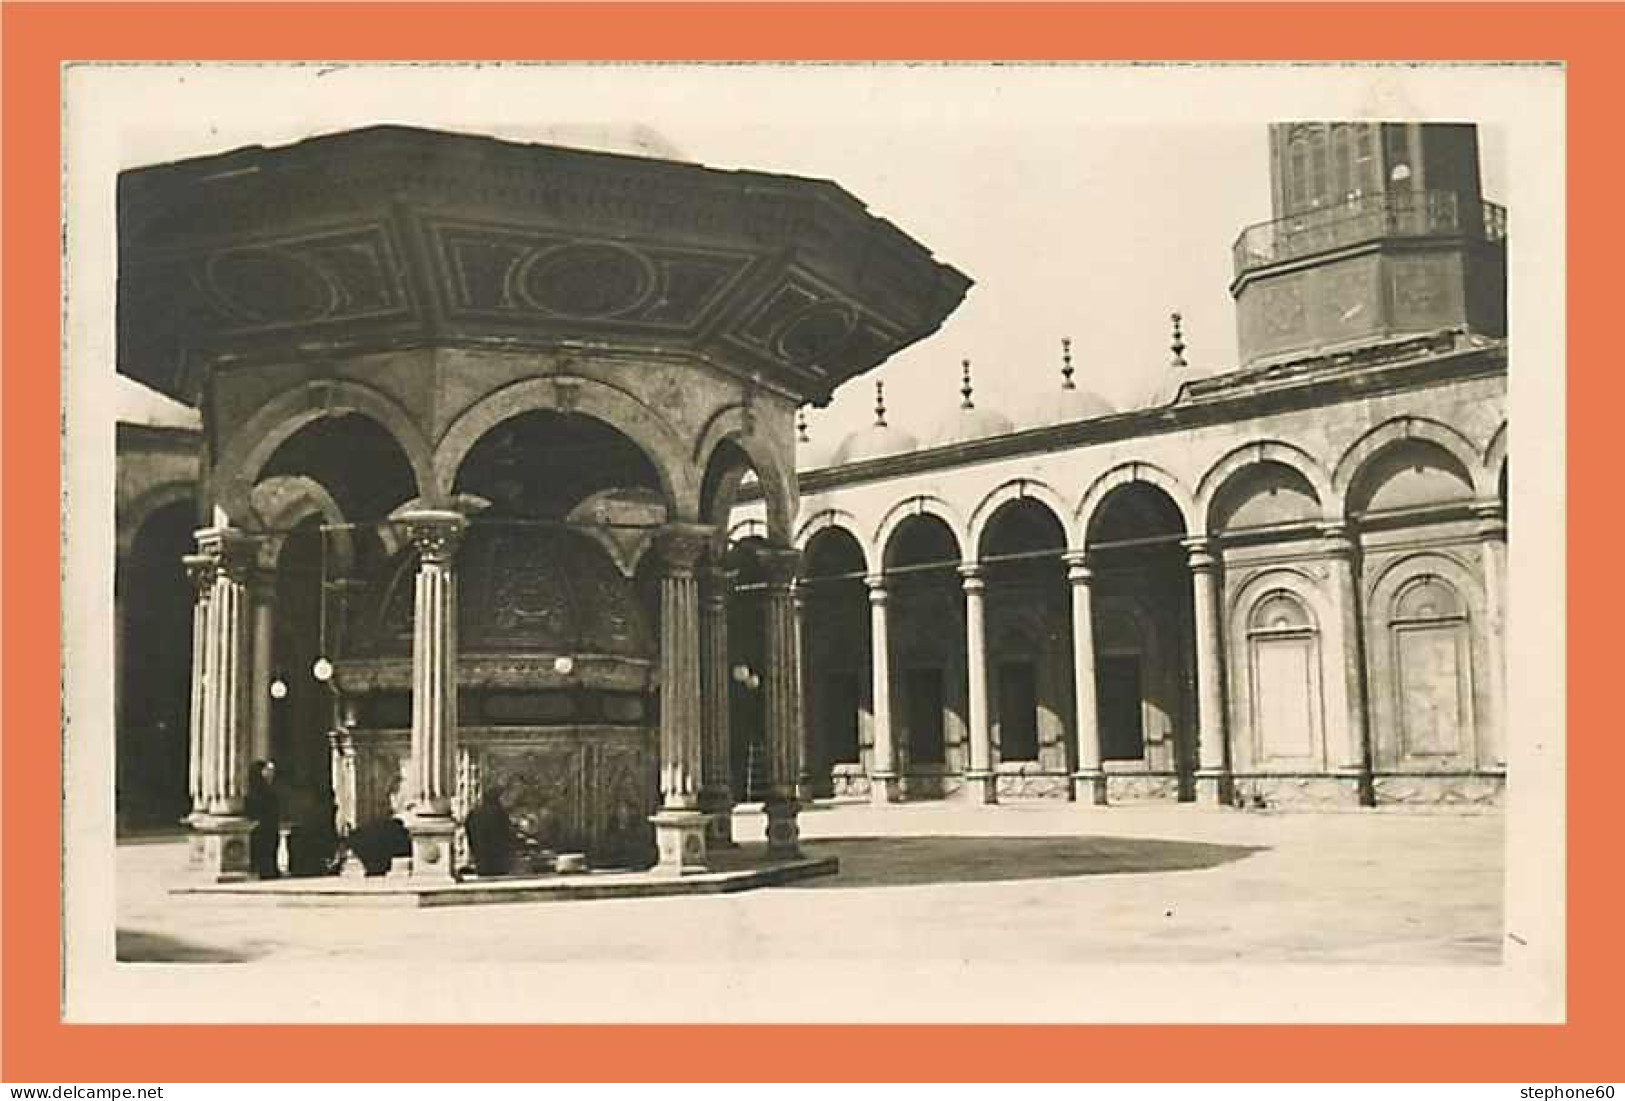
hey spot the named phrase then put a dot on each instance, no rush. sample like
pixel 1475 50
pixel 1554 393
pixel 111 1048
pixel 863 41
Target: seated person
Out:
pixel 377 842
pixel 490 834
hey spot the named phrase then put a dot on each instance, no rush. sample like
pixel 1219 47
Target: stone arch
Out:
pixel 1385 435
pixel 250 447
pixel 1127 473
pixel 753 528
pixel 1248 455
pixel 280 504
pixel 1495 457
pixel 615 407
pixel 1017 489
pixel 918 504
pixel 132 515
pixel 738 423
pixel 832 518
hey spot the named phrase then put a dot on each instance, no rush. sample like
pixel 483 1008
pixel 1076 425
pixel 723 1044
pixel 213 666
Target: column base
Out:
pixel 981 788
pixel 219 848
pixel 719 834
pixel 1213 788
pixel 1089 788
pixel 432 848
pixel 680 841
pixel 885 787
pixel 783 831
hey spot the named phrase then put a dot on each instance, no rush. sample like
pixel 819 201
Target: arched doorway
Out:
pixel 927 656
pixel 839 708
pixel 1029 654
pixel 1145 664
pixel 155 657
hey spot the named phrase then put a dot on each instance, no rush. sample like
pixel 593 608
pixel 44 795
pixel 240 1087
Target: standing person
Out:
pixel 264 806
pixel 490 834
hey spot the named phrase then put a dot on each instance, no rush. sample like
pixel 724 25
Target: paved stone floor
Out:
pixel 923 882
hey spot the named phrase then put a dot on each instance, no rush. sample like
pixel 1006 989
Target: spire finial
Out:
pixel 1178 344
pixel 880 404
pixel 965 386
pixel 1066 364
pixel 801 425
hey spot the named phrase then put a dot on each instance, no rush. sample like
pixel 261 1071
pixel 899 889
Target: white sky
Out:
pixel 1083 201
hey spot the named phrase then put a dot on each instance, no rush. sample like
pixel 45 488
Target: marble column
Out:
pixel 1492 534
pixel 782 700
pixel 1212 772
pixel 680 826
pixel 200 571
pixel 262 598
pixel 883 781
pixel 716 767
pixel 980 780
pixel 1351 760
pixel 806 783
pixel 435 534
pixel 1089 781
pixel 219 828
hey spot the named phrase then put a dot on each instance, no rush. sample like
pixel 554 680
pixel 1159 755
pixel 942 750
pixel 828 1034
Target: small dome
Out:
pixel 876 440
pixel 1067 403
pixel 971 424
pixel 873 442
pixel 1077 404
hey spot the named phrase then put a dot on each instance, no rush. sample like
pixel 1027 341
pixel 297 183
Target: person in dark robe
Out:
pixel 490 834
pixel 264 806
pixel 313 841
pixel 378 841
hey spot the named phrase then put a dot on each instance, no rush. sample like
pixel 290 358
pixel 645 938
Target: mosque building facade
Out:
pixel 518 468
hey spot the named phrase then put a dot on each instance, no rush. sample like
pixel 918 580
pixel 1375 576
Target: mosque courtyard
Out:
pixel 939 882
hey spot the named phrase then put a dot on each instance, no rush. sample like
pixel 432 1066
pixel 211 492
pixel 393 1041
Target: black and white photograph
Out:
pixel 714 543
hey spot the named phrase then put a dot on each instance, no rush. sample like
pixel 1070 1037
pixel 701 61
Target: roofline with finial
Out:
pixel 965 389
pixel 1066 364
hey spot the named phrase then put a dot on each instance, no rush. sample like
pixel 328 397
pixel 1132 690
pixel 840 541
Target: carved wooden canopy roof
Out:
pixel 391 237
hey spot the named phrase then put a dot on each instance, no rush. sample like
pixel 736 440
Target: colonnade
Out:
pixel 232 635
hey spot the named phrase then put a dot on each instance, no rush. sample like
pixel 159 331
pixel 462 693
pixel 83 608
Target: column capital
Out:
pixel 232 551
pixel 877 587
pixel 683 546
pixel 200 571
pixel 972 580
pixel 715 584
pixel 1492 519
pixel 1078 571
pixel 1202 553
pixel 434 532
pixel 780 565
pixel 1339 538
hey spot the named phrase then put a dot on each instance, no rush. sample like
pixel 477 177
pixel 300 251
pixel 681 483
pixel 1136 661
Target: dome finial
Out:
pixel 801 426
pixel 965 386
pixel 1178 344
pixel 880 404
pixel 1066 364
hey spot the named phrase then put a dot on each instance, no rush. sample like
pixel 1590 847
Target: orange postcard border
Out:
pixel 38 37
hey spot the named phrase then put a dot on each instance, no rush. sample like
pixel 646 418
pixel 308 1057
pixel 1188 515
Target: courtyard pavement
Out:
pixel 1022 883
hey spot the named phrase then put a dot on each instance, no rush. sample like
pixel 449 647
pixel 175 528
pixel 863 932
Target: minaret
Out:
pixel 1380 231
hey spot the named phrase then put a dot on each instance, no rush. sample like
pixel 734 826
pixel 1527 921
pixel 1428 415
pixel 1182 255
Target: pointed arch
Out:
pixel 832 518
pixel 1495 457
pixel 1017 489
pixel 1128 473
pixel 575 394
pixel 135 513
pixel 737 423
pixel 1390 432
pixel 251 446
pixel 917 505
pixel 1251 454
